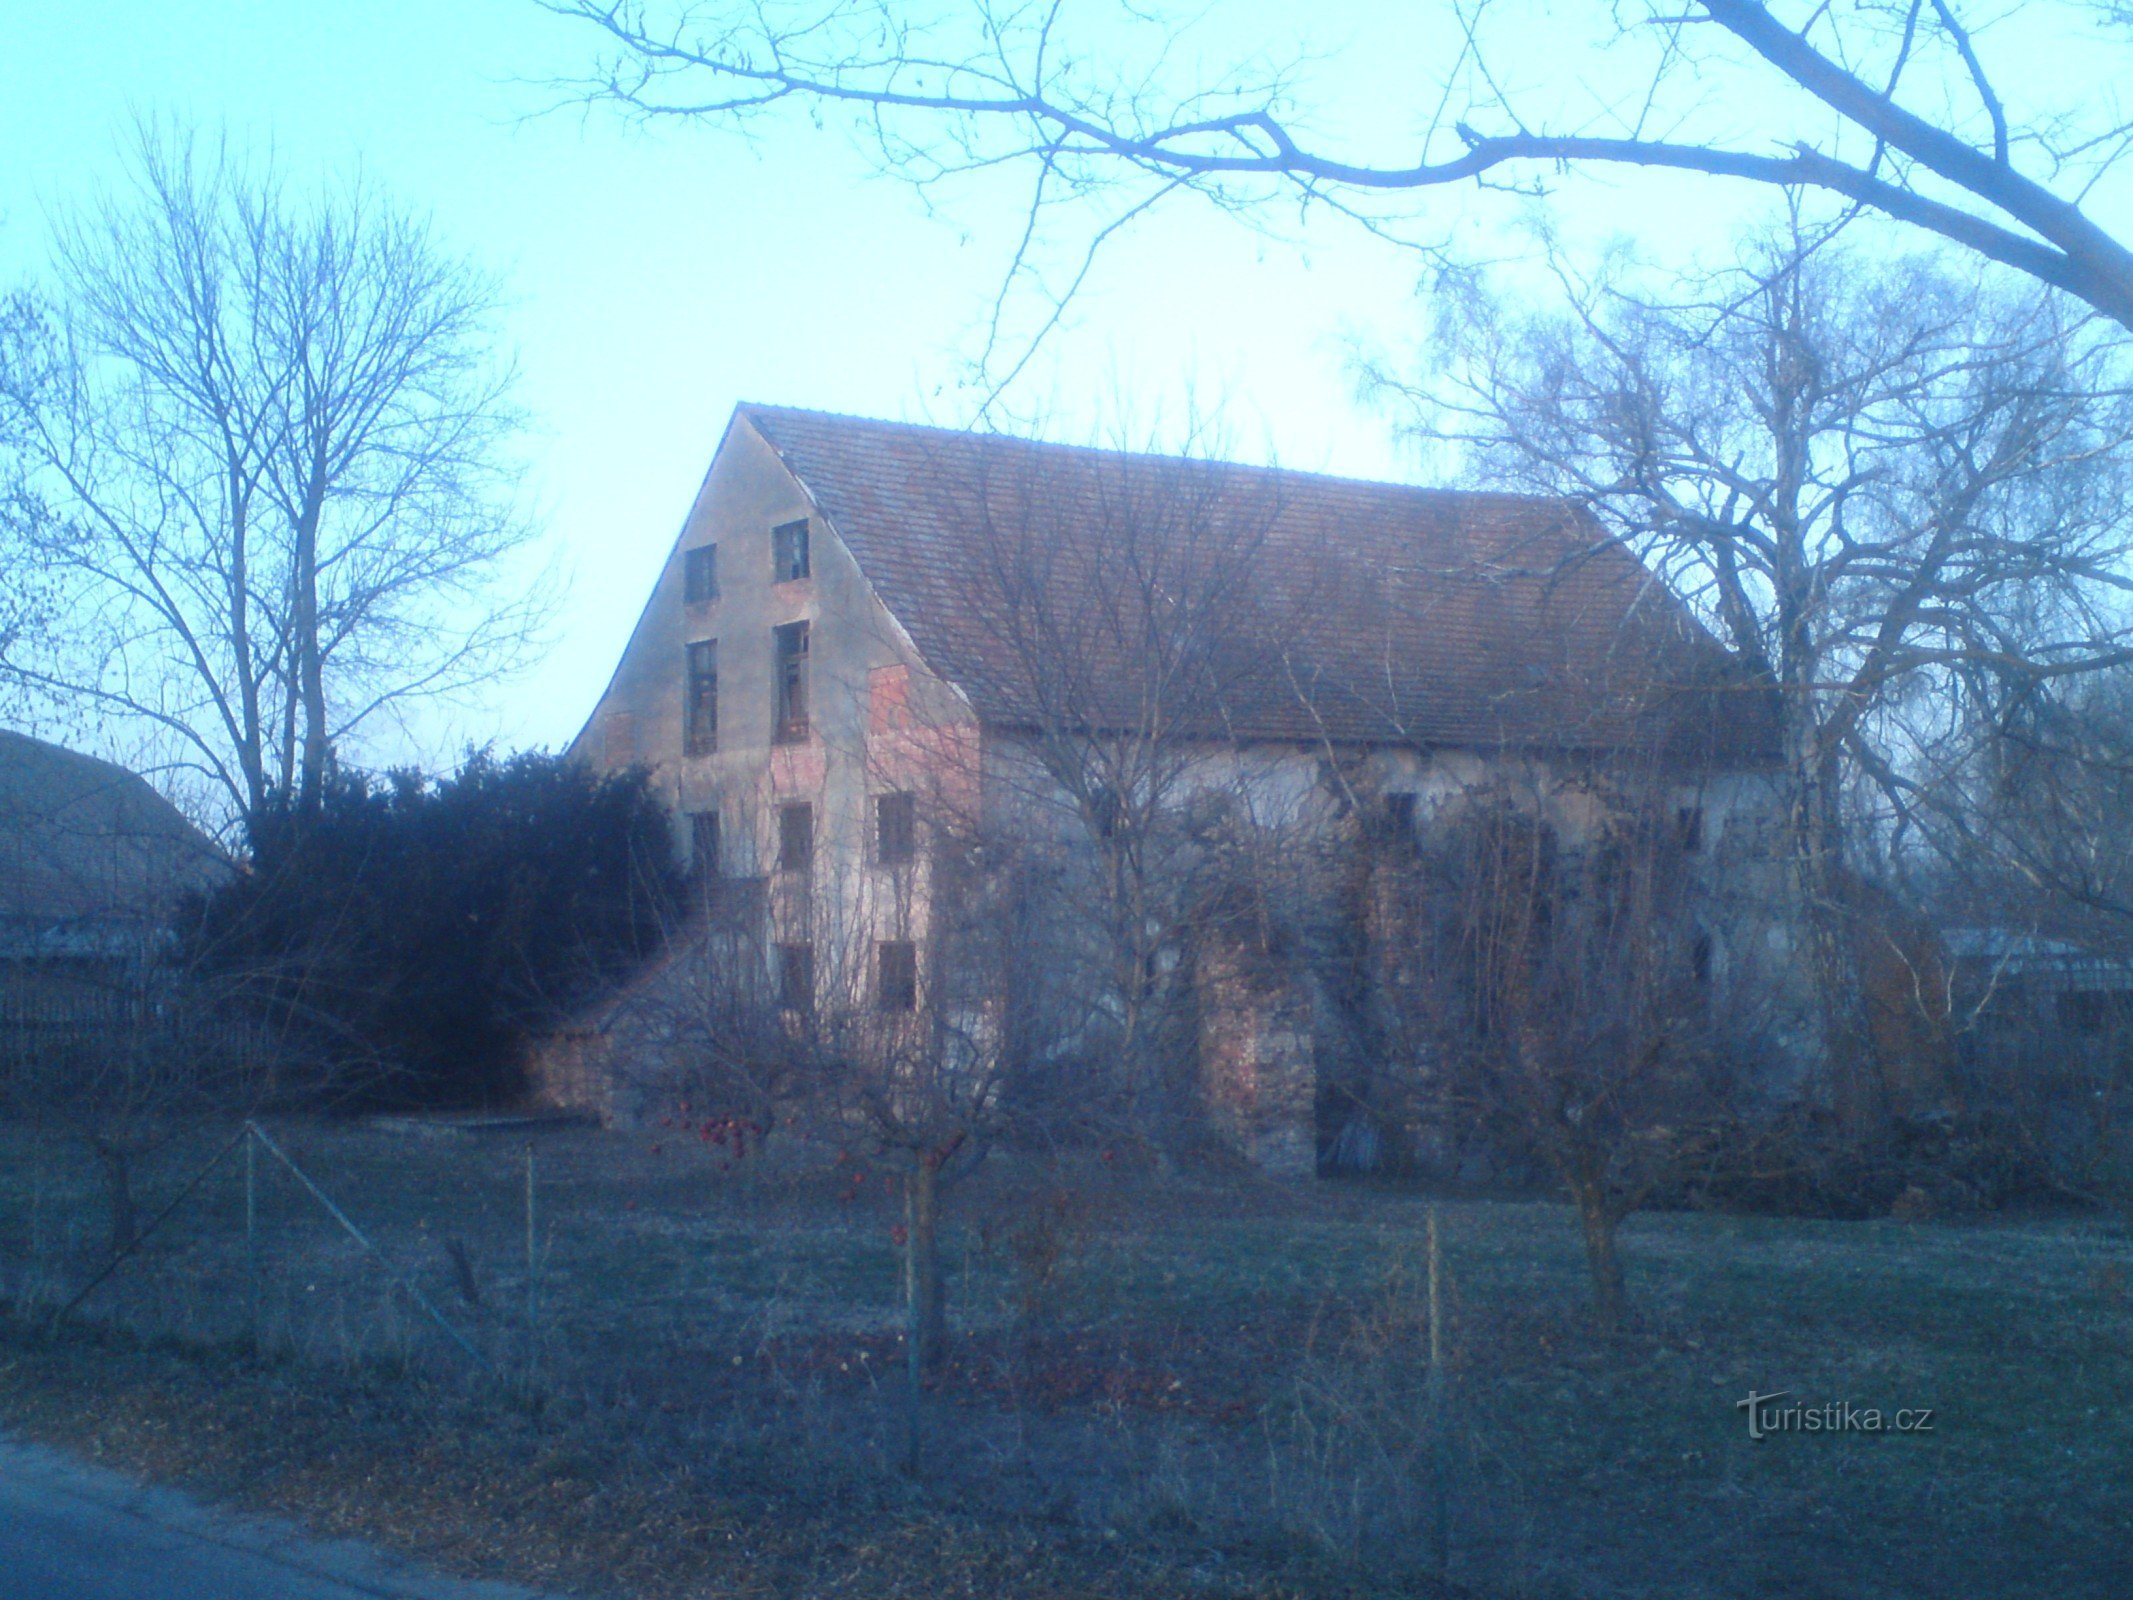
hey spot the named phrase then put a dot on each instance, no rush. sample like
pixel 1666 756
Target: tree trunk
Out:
pixel 1825 897
pixel 925 1305
pixel 251 728
pixel 118 1194
pixel 1813 747
pixel 925 1293
pixel 1609 1296
pixel 304 646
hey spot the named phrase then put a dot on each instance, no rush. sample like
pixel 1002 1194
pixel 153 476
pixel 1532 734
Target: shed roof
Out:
pixel 1320 607
pixel 85 843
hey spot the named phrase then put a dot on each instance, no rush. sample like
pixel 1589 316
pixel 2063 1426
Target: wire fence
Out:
pixel 362 1247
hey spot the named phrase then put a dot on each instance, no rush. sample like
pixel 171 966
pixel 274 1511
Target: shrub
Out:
pixel 424 927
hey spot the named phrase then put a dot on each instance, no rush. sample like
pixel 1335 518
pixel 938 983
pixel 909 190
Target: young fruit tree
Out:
pixel 1129 628
pixel 858 1009
pixel 980 942
pixel 1562 996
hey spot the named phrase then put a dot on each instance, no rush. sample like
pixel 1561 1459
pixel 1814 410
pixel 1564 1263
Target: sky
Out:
pixel 658 278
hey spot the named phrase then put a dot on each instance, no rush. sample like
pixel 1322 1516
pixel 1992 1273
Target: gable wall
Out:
pixel 878 716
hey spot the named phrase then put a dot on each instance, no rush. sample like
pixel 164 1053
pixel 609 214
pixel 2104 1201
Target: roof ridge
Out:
pixel 1518 634
pixel 755 408
pixel 108 776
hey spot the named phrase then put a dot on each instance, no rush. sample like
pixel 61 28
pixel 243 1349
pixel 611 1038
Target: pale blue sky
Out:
pixel 658 279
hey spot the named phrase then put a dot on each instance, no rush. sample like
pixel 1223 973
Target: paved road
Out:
pixel 74 1532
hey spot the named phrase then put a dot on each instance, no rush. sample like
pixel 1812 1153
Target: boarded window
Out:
pixel 796 978
pixel 796 836
pixel 701 727
pixel 699 569
pixel 896 963
pixel 895 828
pixel 788 549
pixel 1106 812
pixel 703 843
pixel 790 648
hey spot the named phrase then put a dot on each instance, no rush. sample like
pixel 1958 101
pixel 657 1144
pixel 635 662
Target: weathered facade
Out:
pixel 876 646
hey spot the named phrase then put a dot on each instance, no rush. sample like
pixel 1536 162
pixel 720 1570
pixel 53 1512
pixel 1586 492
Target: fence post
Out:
pixel 1440 1454
pixel 251 1236
pixel 37 1274
pixel 533 1267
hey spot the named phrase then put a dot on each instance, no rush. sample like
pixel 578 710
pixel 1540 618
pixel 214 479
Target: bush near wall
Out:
pixel 412 932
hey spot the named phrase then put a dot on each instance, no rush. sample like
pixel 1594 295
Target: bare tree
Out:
pixel 863 1008
pixel 1926 111
pixel 1559 986
pixel 2043 809
pixel 1131 626
pixel 1866 479
pixel 25 611
pixel 1005 958
pixel 2029 860
pixel 267 471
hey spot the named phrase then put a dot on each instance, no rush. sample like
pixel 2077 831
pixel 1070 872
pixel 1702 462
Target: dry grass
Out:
pixel 1174 1388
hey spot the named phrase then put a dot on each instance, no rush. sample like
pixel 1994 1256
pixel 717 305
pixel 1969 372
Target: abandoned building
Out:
pixel 872 640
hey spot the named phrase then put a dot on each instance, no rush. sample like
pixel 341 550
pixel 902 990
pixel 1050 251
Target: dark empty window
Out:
pixel 897 961
pixel 796 836
pixel 701 730
pixel 1106 812
pixel 2088 1011
pixel 699 574
pixel 788 549
pixel 1700 957
pixel 796 977
pixel 791 652
pixel 1400 813
pixel 703 844
pixel 1688 828
pixel 895 828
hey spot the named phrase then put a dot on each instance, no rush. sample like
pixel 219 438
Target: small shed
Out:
pixel 94 865
pixel 2011 979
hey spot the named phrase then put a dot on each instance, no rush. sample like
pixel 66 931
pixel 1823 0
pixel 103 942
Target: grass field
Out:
pixel 1155 1386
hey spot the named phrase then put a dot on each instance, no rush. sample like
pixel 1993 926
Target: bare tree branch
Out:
pixel 265 454
pixel 959 87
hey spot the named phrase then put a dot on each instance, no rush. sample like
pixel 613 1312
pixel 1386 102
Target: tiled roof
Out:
pixel 1044 579
pixel 83 842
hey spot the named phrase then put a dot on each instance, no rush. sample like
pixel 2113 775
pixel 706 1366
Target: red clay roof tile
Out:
pixel 1039 577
